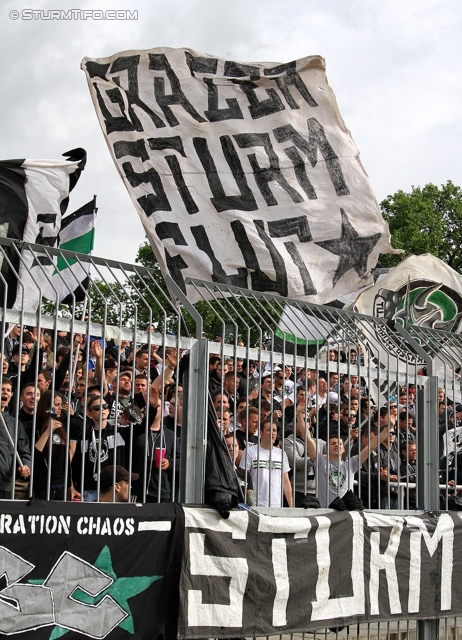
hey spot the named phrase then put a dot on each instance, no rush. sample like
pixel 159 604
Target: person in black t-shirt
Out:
pixel 244 478
pixel 102 444
pixel 50 416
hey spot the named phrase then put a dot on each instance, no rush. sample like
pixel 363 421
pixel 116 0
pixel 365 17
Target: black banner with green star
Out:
pixel 89 570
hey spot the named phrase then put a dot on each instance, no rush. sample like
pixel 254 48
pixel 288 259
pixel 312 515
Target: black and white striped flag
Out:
pixel 34 195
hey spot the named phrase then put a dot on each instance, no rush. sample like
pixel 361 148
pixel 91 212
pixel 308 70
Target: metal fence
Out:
pixel 345 367
pixel 104 341
pixel 118 348
pixel 447 629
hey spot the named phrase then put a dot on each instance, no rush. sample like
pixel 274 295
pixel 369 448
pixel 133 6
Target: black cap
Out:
pixel 25 349
pixel 107 476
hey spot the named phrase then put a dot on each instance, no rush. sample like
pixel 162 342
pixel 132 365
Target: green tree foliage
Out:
pixel 141 299
pixel 107 301
pixel 219 317
pixel 150 301
pixel 427 220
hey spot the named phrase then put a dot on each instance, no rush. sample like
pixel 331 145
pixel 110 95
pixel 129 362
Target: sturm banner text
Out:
pixel 242 173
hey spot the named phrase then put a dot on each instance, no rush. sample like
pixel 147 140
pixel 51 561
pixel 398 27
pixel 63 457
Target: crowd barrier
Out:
pixel 292 344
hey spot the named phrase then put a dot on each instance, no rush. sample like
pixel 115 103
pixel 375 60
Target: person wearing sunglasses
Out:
pixel 282 393
pixel 103 444
pixel 348 424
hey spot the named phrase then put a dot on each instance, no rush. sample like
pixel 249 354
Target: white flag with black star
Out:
pixel 242 173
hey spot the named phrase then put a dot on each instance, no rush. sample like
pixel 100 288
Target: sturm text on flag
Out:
pixel 242 173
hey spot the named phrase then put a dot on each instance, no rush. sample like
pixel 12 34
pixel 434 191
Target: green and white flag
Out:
pixel 421 292
pixel 71 276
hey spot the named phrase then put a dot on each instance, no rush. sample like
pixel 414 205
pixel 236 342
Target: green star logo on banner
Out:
pixel 122 589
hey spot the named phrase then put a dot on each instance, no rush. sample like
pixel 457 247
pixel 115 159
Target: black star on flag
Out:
pixel 353 250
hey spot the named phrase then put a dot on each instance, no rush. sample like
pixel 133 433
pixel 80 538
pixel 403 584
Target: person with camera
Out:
pixel 103 443
pixel 303 470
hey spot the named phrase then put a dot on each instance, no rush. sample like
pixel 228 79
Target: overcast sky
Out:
pixel 395 68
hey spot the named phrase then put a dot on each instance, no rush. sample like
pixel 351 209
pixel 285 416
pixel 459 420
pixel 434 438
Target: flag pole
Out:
pixel 77 349
pixel 408 302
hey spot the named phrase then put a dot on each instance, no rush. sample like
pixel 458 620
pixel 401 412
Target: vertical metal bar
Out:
pixel 193 430
pixel 428 630
pixel 428 446
pixel 427 470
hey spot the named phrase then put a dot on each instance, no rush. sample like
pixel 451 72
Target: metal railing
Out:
pixel 116 314
pixel 128 311
pixel 314 341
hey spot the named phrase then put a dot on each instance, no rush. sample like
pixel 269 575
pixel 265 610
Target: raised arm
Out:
pixel 41 442
pixel 97 353
pixel 310 443
pixel 156 422
pixel 154 355
pixel 373 444
pixel 169 368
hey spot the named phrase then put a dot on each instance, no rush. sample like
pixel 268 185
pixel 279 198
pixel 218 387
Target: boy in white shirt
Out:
pixel 269 469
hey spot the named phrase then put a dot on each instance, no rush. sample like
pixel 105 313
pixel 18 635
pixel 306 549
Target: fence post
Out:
pixel 428 471
pixel 428 446
pixel 194 419
pixel 194 424
pixel 427 455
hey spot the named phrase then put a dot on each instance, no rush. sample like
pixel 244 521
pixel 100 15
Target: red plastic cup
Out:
pixel 158 456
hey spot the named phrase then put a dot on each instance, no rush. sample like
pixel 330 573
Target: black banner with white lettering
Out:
pixel 89 570
pixel 257 575
pixel 121 571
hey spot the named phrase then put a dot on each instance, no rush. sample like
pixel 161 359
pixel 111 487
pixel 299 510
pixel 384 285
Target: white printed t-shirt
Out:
pixel 338 478
pixel 266 473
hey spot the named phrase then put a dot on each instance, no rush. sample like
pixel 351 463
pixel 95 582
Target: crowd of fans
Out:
pixel 95 421
pixel 70 411
pixel 304 438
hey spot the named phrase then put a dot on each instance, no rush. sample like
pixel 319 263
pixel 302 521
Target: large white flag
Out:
pixel 242 173
pixel 422 290
pixel 34 195
pixel 425 292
